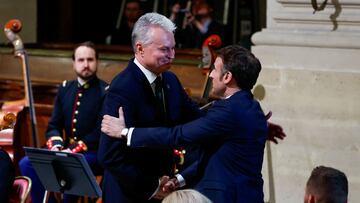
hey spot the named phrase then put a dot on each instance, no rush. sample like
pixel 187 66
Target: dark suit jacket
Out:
pixel 131 175
pixel 232 135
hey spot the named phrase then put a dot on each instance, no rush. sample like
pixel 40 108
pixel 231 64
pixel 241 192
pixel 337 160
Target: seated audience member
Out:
pixel 326 185
pixel 7 175
pixel 122 35
pixel 186 196
pixel 197 25
pixel 76 113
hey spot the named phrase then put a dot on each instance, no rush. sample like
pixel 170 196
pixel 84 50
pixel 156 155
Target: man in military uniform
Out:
pixel 76 113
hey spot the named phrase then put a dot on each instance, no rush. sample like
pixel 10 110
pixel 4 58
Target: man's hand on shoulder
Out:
pixel 113 126
pixel 275 132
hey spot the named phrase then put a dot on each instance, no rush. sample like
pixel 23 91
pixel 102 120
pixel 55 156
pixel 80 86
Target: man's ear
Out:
pixel 139 48
pixel 227 77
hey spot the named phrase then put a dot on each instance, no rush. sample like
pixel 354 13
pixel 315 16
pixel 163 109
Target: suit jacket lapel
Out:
pixel 139 76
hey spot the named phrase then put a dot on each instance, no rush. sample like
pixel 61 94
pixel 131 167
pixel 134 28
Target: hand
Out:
pixel 66 150
pixel 274 131
pixel 161 194
pixel 171 185
pixel 113 126
pixel 55 148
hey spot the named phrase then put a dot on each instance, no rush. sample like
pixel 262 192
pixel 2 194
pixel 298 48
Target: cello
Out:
pixel 208 59
pixel 11 30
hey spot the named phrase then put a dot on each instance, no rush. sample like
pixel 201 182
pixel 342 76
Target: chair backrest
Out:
pixel 20 190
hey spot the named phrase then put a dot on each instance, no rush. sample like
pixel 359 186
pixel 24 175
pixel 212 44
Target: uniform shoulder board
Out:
pixel 107 87
pixel 64 83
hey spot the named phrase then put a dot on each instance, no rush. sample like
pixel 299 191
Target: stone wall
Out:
pixel 26 12
pixel 311 76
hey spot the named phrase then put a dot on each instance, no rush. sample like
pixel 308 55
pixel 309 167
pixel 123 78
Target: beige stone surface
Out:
pixel 311 77
pixel 320 112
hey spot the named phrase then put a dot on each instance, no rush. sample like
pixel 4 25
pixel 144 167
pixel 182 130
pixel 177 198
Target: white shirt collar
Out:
pixel 150 76
pixel 81 81
pixel 227 97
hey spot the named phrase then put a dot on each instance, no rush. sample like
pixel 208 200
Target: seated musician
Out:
pixel 197 25
pixel 76 112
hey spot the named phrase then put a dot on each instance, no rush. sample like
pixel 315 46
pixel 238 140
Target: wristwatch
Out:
pixel 124 132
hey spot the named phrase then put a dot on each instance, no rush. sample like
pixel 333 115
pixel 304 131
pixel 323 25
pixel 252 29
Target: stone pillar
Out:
pixel 311 76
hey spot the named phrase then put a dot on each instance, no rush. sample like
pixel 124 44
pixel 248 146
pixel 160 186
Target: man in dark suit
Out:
pixel 151 96
pixel 76 112
pixel 232 134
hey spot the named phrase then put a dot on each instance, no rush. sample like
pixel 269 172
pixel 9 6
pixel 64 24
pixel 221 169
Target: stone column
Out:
pixel 311 76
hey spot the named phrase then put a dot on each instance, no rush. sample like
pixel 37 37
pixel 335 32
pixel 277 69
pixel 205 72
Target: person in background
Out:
pixel 122 35
pixel 76 112
pixel 7 175
pixel 197 25
pixel 326 185
pixel 186 196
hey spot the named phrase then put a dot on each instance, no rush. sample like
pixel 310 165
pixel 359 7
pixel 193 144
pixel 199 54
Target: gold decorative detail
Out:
pixel 8 121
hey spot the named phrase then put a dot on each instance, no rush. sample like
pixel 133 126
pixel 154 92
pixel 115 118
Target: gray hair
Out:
pixel 186 196
pixel 142 25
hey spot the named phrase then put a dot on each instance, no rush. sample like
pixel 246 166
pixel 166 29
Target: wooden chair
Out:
pixel 21 190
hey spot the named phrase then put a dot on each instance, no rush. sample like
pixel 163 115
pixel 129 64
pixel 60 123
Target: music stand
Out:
pixel 63 172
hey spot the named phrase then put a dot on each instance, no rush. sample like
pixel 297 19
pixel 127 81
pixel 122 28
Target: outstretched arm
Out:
pixel 113 126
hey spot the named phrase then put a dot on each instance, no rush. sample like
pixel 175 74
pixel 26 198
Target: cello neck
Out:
pixel 11 29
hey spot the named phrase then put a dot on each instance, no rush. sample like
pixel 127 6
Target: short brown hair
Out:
pixel 242 64
pixel 329 185
pixel 86 44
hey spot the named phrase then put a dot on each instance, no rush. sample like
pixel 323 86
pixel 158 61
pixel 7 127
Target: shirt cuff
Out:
pixel 128 142
pixel 157 189
pixel 181 180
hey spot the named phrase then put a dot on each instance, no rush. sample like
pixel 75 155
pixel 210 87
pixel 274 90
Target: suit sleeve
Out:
pixel 213 126
pixel 113 153
pixel 92 139
pixel 56 123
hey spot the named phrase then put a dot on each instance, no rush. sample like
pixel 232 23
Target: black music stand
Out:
pixel 63 172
